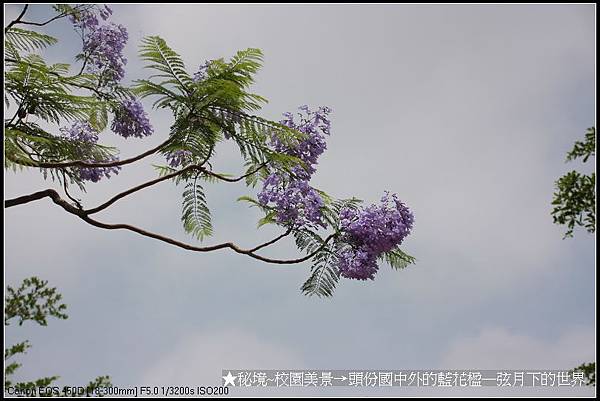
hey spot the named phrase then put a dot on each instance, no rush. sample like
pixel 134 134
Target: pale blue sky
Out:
pixel 465 111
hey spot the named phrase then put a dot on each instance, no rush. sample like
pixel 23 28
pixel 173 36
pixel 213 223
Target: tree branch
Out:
pixel 224 178
pixel 52 194
pixel 140 187
pixel 61 15
pixel 81 163
pixel 18 20
pixel 164 178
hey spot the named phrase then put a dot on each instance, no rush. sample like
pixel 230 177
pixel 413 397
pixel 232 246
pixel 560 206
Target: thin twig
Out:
pixel 164 178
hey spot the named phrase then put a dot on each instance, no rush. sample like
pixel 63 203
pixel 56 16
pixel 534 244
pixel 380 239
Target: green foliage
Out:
pixel 208 111
pixel 575 196
pixel 17 40
pixel 324 276
pixel 589 372
pixel 332 207
pixel 575 205
pixel 42 90
pixel 398 259
pixel 169 68
pixel 30 387
pixel 575 202
pixel 584 149
pixel 19 348
pixel 33 300
pixel 196 215
pixel 42 95
pixel 98 382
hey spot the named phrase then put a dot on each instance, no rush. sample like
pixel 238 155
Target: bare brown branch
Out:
pixel 52 194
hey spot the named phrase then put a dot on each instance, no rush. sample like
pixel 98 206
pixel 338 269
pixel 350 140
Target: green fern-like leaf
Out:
pixel 398 259
pixel 196 215
pixel 166 61
pixel 26 40
pixel 324 276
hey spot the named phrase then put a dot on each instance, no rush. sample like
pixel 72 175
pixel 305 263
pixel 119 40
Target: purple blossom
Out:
pixel 95 174
pixel 369 232
pixel 357 263
pixel 83 132
pixel 87 18
pixel 131 120
pixel 104 46
pixel 315 125
pixel 202 72
pixel 179 158
pixel 294 200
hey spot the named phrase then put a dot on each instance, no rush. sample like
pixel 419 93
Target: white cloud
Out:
pixel 199 358
pixel 499 348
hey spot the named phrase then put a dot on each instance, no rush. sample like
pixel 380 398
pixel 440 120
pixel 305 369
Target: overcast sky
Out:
pixel 466 112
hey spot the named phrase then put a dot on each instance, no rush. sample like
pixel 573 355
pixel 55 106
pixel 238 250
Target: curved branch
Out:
pixel 224 178
pixel 52 194
pixel 140 187
pixel 29 198
pixel 164 178
pixel 38 195
pixel 81 163
pixel 18 20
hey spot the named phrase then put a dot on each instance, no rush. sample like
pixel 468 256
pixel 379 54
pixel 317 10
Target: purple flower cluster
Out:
pixel 95 174
pixel 87 18
pixel 295 201
pixel 315 124
pixel 82 131
pixel 369 232
pixel 202 72
pixel 131 120
pixel 179 158
pixel 103 45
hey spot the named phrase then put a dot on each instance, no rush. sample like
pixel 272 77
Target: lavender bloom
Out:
pixel 104 47
pixel 315 125
pixel 179 158
pixel 369 232
pixel 357 264
pixel 202 72
pixel 295 201
pixel 82 131
pixel 131 120
pixel 88 17
pixel 95 174
pixel 85 19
